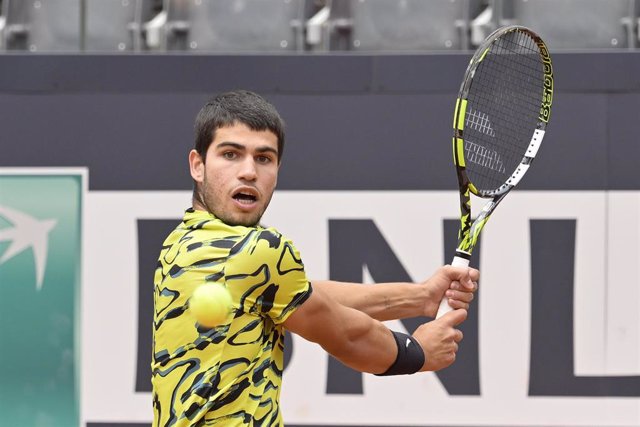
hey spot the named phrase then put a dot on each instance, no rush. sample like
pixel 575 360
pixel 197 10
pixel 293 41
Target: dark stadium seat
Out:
pixel 235 25
pixel 42 25
pixel 404 25
pixel 111 25
pixel 577 24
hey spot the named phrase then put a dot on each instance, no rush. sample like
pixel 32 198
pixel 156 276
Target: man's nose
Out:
pixel 248 169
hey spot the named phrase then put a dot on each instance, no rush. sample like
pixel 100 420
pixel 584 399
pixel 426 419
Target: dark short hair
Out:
pixel 239 106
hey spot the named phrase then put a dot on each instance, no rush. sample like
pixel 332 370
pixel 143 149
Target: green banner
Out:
pixel 40 259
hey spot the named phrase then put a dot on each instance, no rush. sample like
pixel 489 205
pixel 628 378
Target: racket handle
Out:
pixel 444 304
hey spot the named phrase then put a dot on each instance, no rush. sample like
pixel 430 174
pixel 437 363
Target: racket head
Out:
pixel 502 111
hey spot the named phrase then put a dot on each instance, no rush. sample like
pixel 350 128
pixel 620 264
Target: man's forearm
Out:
pixel 383 301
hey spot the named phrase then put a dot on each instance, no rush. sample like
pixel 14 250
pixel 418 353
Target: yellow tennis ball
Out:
pixel 211 305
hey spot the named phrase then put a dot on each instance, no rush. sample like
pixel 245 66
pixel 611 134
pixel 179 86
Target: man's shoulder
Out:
pixel 265 246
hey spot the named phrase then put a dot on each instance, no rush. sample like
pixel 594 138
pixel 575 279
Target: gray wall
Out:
pixel 388 114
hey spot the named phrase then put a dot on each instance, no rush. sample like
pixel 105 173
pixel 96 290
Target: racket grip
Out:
pixel 444 304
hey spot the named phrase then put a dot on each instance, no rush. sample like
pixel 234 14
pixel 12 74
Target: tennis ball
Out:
pixel 211 305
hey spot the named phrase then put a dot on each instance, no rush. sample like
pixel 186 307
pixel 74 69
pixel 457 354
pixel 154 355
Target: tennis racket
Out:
pixel 500 118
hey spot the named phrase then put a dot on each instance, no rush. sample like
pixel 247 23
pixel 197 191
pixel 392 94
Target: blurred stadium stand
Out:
pixel 307 26
pixel 401 25
pixel 117 25
pixel 576 24
pixel 236 25
pixel 42 25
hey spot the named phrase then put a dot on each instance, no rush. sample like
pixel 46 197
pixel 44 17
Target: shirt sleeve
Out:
pixel 265 274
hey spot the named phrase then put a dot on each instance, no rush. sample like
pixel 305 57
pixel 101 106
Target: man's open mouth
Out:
pixel 245 197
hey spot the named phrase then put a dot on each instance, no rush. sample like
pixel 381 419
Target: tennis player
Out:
pixel 231 375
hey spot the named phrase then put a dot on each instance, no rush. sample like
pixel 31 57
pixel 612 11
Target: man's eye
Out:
pixel 229 155
pixel 264 159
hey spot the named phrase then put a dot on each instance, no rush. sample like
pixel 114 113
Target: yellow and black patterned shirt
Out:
pixel 229 375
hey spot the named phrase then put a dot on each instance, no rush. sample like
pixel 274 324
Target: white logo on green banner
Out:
pixel 27 232
pixel 40 257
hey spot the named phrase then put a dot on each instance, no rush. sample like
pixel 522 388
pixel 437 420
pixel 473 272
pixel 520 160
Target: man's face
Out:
pixel 237 179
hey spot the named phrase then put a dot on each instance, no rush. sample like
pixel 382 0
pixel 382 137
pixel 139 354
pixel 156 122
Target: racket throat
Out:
pixel 463 254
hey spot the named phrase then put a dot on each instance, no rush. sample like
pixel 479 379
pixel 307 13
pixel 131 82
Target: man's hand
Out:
pixel 439 340
pixel 455 283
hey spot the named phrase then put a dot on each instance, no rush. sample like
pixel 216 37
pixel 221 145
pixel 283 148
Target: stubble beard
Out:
pixel 216 208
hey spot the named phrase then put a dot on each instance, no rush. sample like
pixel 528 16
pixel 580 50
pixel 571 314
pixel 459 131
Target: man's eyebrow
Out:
pixel 231 144
pixel 240 147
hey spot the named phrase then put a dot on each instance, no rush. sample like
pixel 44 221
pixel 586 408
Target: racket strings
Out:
pixel 503 105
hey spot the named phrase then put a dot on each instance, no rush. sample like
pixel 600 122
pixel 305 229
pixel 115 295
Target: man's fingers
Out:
pixel 458 295
pixel 473 275
pixel 465 277
pixel 455 317
pixel 455 304
pixel 470 284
